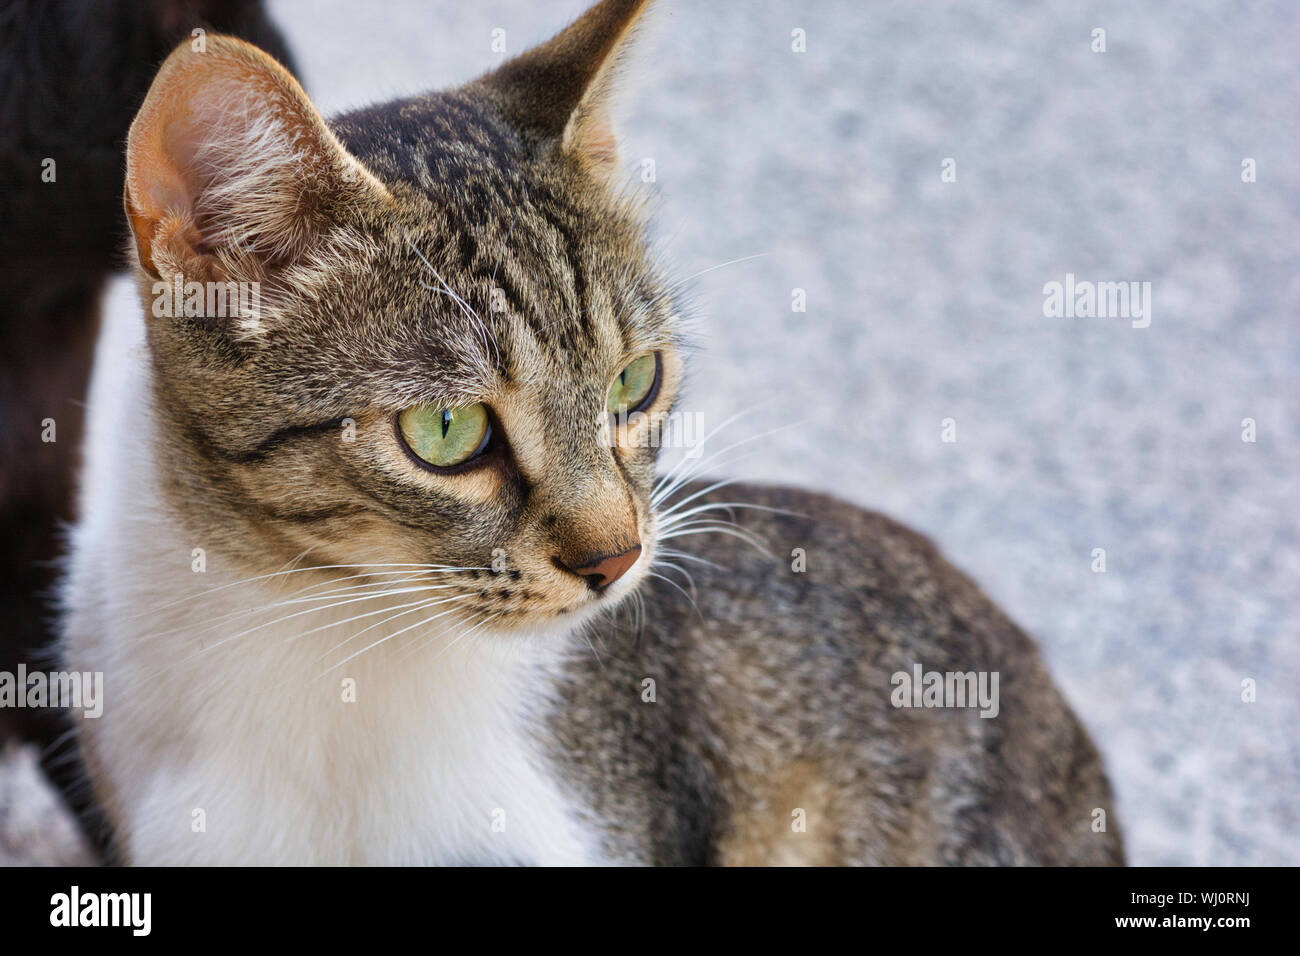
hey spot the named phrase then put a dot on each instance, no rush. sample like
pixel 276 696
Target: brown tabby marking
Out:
pixel 381 239
pixel 761 831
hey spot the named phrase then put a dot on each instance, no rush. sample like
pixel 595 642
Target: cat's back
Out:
pixel 773 708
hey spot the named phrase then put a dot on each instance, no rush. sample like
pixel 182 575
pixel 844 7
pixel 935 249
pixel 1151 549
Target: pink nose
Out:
pixel 602 570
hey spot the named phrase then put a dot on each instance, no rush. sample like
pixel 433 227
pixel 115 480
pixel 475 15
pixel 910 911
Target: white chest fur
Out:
pixel 217 748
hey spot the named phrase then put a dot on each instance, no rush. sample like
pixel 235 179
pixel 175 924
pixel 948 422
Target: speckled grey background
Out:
pixel 925 303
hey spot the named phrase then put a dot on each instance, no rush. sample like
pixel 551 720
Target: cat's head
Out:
pixel 444 297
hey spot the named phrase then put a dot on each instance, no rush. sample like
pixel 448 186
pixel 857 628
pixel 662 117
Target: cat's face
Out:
pixel 452 303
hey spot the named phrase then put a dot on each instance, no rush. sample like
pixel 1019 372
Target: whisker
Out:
pixel 582 630
pixel 749 539
pixel 721 265
pixel 670 581
pixel 702 442
pixel 389 637
pixel 206 649
pixel 671 553
pixel 465 307
pixel 420 641
pixel 690 581
pixel 464 634
pixel 679 517
pixel 640 615
pixel 153 609
pixel 411 609
pixel 225 619
pixel 658 497
pixel 676 507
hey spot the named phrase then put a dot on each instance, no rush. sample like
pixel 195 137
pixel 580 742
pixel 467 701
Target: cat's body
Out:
pixel 325 639
pixel 771 694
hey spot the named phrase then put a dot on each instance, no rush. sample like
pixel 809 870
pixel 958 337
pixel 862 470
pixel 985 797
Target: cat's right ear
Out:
pixel 559 94
pixel 227 153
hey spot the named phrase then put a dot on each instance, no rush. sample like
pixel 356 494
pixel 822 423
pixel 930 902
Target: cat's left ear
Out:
pixel 227 152
pixel 559 94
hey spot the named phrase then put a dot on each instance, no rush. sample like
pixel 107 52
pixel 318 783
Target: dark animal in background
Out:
pixel 72 75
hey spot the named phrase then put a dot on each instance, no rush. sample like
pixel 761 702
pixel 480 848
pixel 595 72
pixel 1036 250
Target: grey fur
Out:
pixel 771 667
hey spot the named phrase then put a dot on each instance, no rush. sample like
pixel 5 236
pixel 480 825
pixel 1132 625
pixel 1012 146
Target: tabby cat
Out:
pixel 370 578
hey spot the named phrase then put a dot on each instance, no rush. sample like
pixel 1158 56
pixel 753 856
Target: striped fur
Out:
pixel 256 544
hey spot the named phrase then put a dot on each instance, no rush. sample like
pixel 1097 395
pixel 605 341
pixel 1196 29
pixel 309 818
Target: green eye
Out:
pixel 445 437
pixel 635 385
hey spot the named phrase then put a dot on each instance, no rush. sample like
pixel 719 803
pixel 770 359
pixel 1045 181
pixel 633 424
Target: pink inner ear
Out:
pixel 590 138
pixel 159 188
pixel 598 143
pixel 155 190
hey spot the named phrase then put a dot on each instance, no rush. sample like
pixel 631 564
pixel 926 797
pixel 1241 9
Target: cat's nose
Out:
pixel 602 570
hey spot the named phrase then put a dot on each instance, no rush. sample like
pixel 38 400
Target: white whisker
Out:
pixel 411 606
pixel 670 581
pixel 484 336
pixel 748 538
pixel 686 556
pixel 153 609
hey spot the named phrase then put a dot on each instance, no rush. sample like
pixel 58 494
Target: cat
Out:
pixel 61 162
pixel 371 580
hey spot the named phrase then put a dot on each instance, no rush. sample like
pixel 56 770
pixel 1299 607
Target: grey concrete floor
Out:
pixel 925 302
